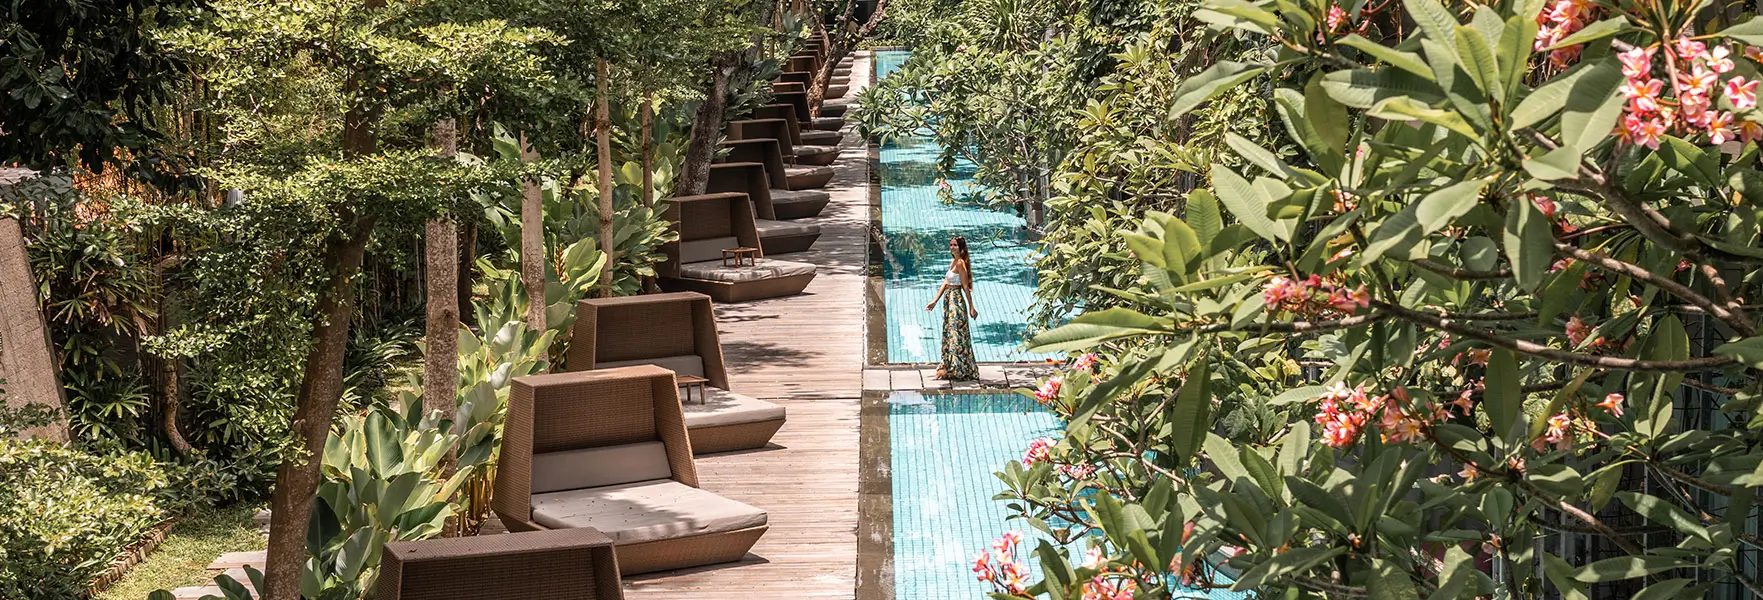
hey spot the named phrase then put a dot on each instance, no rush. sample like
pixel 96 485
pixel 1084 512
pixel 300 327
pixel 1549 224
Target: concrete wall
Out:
pixel 27 362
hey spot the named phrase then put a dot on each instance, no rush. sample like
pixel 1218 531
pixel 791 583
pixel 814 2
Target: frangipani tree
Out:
pixel 1437 352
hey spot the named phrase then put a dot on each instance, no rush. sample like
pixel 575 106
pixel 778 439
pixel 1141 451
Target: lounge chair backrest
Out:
pixel 747 178
pixel 676 331
pixel 718 217
pixel 565 563
pixel 587 409
pixel 600 467
pixel 762 151
pixel 759 129
pixel 803 62
pixel 788 86
pixel 802 77
pixel 797 99
pixel 785 112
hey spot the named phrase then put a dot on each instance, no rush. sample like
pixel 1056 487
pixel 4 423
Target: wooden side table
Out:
pixel 742 256
pixel 689 383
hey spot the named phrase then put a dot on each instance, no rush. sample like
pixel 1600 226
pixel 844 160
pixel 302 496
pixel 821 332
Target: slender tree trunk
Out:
pixel 694 175
pixel 647 131
pixel 321 387
pixel 440 361
pixel 532 246
pixel 837 47
pixel 169 368
pixel 603 148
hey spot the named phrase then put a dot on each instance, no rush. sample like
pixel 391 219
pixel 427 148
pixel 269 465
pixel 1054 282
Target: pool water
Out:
pixel 944 451
pixel 918 226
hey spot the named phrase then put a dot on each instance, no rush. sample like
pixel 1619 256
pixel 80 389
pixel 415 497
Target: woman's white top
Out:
pixel 953 277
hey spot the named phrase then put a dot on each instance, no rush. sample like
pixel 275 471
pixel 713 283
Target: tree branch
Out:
pixel 1541 351
pixel 1738 321
pixel 1456 273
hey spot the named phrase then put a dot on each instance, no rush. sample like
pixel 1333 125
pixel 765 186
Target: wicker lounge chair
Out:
pixel 809 137
pixel 804 77
pixel 709 223
pixel 564 563
pixel 676 332
pixel 789 138
pixel 608 450
pixel 769 204
pixel 826 123
pixel 769 152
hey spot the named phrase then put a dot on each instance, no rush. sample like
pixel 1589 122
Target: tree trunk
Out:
pixel 321 387
pixel 647 132
pixel 694 176
pixel 603 148
pixel 169 368
pixel 440 360
pixel 532 246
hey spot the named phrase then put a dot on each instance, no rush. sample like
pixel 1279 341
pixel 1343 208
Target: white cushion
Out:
pixel 815 150
pixel 599 467
pixel 706 249
pixel 766 269
pixel 769 228
pixel 821 137
pixel 723 407
pixel 790 196
pixel 645 511
pixel 690 364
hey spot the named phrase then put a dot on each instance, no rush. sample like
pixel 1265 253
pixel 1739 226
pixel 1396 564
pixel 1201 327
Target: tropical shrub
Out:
pixel 1437 350
pixel 65 514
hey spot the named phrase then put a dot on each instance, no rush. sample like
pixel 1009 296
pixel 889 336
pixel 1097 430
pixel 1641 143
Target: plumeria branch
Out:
pixel 1541 351
pixel 1456 273
pixel 1738 321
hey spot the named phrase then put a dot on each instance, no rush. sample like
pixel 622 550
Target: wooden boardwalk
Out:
pixel 805 352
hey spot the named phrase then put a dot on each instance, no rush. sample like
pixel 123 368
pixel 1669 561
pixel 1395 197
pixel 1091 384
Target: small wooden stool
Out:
pixel 742 256
pixel 687 383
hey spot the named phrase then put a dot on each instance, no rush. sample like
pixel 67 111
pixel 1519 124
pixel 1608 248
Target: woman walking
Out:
pixel 957 286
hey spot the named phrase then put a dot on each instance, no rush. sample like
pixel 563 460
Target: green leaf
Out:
pixel 1296 395
pixel 1211 82
pixel 1689 159
pixel 1480 253
pixel 1406 61
pixel 1403 108
pixel 1246 202
pixel 1749 32
pixel 1400 229
pixel 1388 581
pixel 1181 247
pixel 1329 120
pixel 1504 398
pixel 1593 106
pixel 1436 22
pixel 1529 239
pixel 1364 88
pixel 1296 560
pixel 1478 60
pixel 1663 513
pixel 1513 53
pixel 1312 495
pixel 1224 458
pixel 1748 351
pixel 1560 163
pixel 1545 101
pixel 1663 590
pixel 1091 328
pixel 1593 32
pixel 1203 215
pixel 1439 208
pixel 1626 567
pixel 1188 417
pixel 1239 15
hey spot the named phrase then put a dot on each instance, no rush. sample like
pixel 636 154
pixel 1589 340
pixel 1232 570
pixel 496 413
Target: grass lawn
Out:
pixel 194 542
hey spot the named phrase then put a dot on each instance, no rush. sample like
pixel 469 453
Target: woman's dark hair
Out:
pixel 961 243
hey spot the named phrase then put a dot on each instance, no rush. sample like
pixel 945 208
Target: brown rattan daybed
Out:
pixel 608 450
pixel 788 135
pixel 771 206
pixel 706 225
pixel 810 137
pixel 676 332
pixel 825 124
pixel 770 152
pixel 561 563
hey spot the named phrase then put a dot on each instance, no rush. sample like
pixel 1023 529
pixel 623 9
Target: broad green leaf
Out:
pixel 1593 106
pixel 1211 82
pixel 1478 59
pixel 1435 20
pixel 1749 32
pixel 1402 229
pixel 1258 156
pixel 1224 457
pixel 1388 581
pixel 1529 239
pixel 1748 351
pixel 1664 513
pixel 1364 88
pixel 1297 394
pixel 1295 560
pixel 1147 248
pixel 1513 53
pixel 1246 202
pixel 1593 32
pixel 1403 108
pixel 1312 495
pixel 1440 207
pixel 1480 253
pixel 1670 588
pixel 1181 247
pixel 1238 14
pixel 1332 124
pixel 1504 399
pixel 1203 215
pixel 1626 567
pixel 1689 159
pixel 1545 101
pixel 1189 416
pixel 1554 165
pixel 1406 61
pixel 1092 327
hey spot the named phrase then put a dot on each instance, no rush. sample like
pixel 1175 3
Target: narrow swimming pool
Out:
pixel 918 226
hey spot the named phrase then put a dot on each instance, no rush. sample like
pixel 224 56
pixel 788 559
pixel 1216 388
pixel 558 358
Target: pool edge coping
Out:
pixel 875 499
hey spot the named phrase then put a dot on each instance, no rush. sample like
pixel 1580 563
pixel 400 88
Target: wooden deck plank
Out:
pixel 805 352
